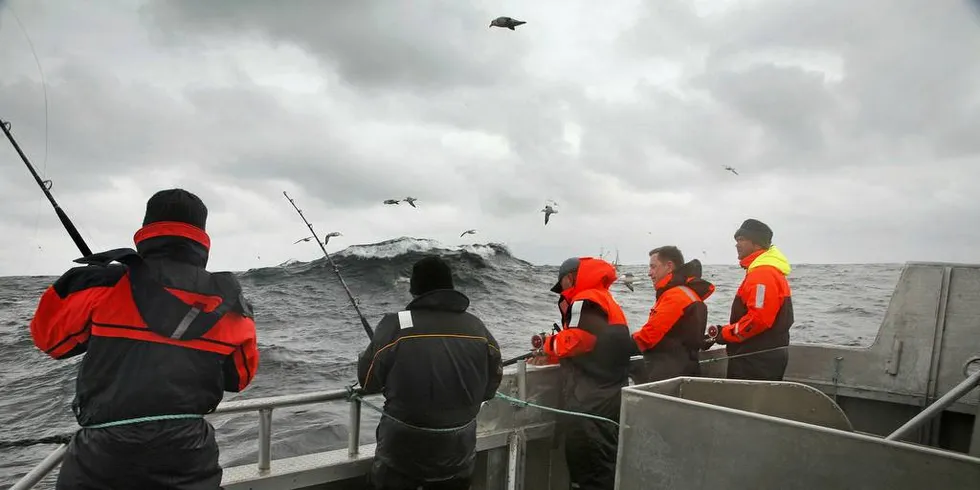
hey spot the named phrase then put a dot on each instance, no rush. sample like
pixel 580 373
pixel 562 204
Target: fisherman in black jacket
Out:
pixel 435 363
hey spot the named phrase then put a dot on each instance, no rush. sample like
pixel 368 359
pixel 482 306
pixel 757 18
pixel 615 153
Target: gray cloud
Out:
pixel 848 123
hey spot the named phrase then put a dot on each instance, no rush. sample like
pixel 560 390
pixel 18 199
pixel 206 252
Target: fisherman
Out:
pixel 757 338
pixel 593 349
pixel 673 335
pixel 436 363
pixel 163 339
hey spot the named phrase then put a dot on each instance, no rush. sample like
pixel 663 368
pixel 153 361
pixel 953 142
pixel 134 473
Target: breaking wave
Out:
pixel 391 261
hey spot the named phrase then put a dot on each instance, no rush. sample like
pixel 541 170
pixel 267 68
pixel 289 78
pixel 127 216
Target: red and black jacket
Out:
pixel 160 334
pixel 762 311
pixel 674 332
pixel 594 346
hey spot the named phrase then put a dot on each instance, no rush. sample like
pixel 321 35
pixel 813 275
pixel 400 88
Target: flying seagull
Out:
pixel 467 232
pixel 730 169
pixel 392 201
pixel 548 211
pixel 410 201
pixel 628 280
pixel 303 240
pixel 330 235
pixel 506 22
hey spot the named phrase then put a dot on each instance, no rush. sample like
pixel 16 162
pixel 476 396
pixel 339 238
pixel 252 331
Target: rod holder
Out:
pixel 265 439
pixel 354 429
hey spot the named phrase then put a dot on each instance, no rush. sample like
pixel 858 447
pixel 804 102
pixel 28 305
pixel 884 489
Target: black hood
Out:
pixel 689 275
pixel 440 299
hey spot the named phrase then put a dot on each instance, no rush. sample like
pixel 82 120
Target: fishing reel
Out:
pixel 537 340
pixel 713 332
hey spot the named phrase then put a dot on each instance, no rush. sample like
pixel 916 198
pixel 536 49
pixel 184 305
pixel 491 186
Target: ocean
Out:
pixel 309 335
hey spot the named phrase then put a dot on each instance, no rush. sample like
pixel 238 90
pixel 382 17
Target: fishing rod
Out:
pixel 45 186
pixel 364 322
pixel 537 347
pixel 515 360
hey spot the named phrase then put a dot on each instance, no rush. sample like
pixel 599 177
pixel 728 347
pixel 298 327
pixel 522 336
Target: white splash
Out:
pixel 405 245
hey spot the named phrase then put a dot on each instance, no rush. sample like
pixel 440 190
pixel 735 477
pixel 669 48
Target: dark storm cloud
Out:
pixel 98 127
pixel 430 46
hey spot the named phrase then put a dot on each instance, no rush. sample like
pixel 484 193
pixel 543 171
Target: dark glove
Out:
pixel 634 350
pixel 707 343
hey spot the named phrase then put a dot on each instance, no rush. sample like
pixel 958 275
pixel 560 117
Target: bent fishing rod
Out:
pixel 364 322
pixel 45 186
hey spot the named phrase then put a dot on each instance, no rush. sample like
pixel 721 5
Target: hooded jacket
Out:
pixel 161 336
pixel 435 363
pixel 672 337
pixel 762 311
pixel 595 344
pixel 594 350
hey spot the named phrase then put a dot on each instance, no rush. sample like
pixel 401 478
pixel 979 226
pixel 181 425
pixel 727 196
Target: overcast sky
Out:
pixel 852 125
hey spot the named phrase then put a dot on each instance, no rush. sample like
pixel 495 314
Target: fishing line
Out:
pixel 353 302
pixel 44 89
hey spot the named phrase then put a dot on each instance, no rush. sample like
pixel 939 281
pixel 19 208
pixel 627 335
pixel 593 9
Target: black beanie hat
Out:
pixel 176 205
pixel 756 231
pixel 429 274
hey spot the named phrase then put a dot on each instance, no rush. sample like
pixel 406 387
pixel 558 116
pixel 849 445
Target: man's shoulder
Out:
pixel 88 276
pixel 765 274
pixel 455 322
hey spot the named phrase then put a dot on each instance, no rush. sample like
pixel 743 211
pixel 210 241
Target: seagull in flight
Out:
pixel 548 211
pixel 730 169
pixel 303 240
pixel 410 201
pixel 628 280
pixel 392 201
pixel 467 232
pixel 506 22
pixel 330 235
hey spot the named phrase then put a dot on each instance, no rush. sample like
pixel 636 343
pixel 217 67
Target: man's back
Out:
pixel 163 339
pixel 435 363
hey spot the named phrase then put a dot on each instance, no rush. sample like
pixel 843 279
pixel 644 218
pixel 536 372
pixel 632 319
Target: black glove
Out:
pixel 634 350
pixel 707 343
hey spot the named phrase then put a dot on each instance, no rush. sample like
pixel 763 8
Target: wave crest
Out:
pixel 395 258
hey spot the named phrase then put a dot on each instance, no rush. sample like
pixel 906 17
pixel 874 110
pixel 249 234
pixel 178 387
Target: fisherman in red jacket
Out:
pixel 163 339
pixel 593 349
pixel 672 337
pixel 757 336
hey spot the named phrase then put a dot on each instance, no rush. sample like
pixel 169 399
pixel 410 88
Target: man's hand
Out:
pixel 713 336
pixel 707 343
pixel 540 358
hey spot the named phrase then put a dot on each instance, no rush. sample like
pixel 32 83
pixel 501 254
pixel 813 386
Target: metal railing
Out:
pixel 938 406
pixel 264 406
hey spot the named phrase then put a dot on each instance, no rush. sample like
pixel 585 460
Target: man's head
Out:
pixel 566 275
pixel 176 205
pixel 429 274
pixel 751 237
pixel 663 261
